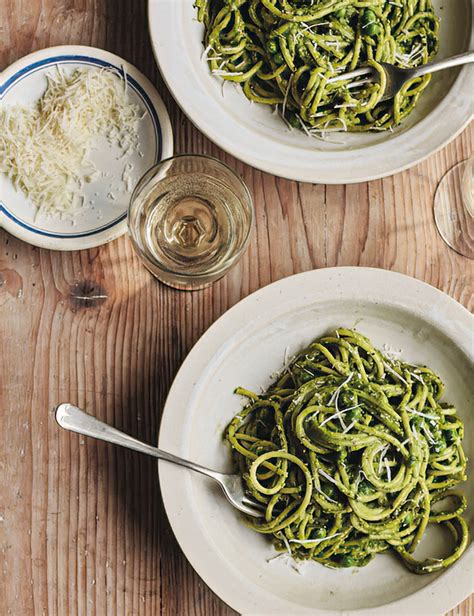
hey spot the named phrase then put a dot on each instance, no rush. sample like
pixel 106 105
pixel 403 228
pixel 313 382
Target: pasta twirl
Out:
pixel 351 452
pixel 284 52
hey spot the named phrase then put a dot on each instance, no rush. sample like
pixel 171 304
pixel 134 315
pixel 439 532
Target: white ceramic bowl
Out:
pixel 243 348
pixel 251 133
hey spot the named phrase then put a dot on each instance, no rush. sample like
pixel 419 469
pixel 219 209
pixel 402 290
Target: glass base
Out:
pixel 181 284
pixel 453 209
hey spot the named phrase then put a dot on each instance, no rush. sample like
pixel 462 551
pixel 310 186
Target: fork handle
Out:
pixel 440 65
pixel 72 418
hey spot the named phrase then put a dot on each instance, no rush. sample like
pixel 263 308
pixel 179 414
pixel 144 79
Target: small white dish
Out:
pixel 244 347
pixel 253 134
pixel 105 216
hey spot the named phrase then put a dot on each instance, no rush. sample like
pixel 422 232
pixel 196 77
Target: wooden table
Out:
pixel 83 530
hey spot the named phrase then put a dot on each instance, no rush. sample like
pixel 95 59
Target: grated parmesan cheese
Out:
pixel 44 148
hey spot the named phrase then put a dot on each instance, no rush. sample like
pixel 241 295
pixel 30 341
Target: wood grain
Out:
pixel 82 526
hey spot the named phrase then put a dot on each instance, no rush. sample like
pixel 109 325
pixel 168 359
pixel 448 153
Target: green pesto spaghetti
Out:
pixel 285 52
pixel 350 452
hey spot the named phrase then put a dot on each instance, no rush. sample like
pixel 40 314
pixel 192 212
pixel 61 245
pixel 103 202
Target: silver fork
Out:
pixel 397 77
pixel 74 419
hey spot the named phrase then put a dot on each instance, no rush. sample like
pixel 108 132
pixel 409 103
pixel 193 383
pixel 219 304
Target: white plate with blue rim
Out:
pixel 104 217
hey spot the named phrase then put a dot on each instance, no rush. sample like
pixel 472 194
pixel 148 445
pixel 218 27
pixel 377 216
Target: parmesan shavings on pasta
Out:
pixel 44 148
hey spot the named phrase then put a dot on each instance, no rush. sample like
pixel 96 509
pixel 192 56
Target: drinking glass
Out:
pixel 190 219
pixel 454 208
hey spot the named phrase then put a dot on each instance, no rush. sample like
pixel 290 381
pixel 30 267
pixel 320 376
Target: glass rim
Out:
pixel 437 215
pixel 231 261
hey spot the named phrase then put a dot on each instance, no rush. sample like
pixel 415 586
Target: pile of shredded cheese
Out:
pixel 44 148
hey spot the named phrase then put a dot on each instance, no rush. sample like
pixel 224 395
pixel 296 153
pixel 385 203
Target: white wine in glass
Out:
pixel 190 219
pixel 454 208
